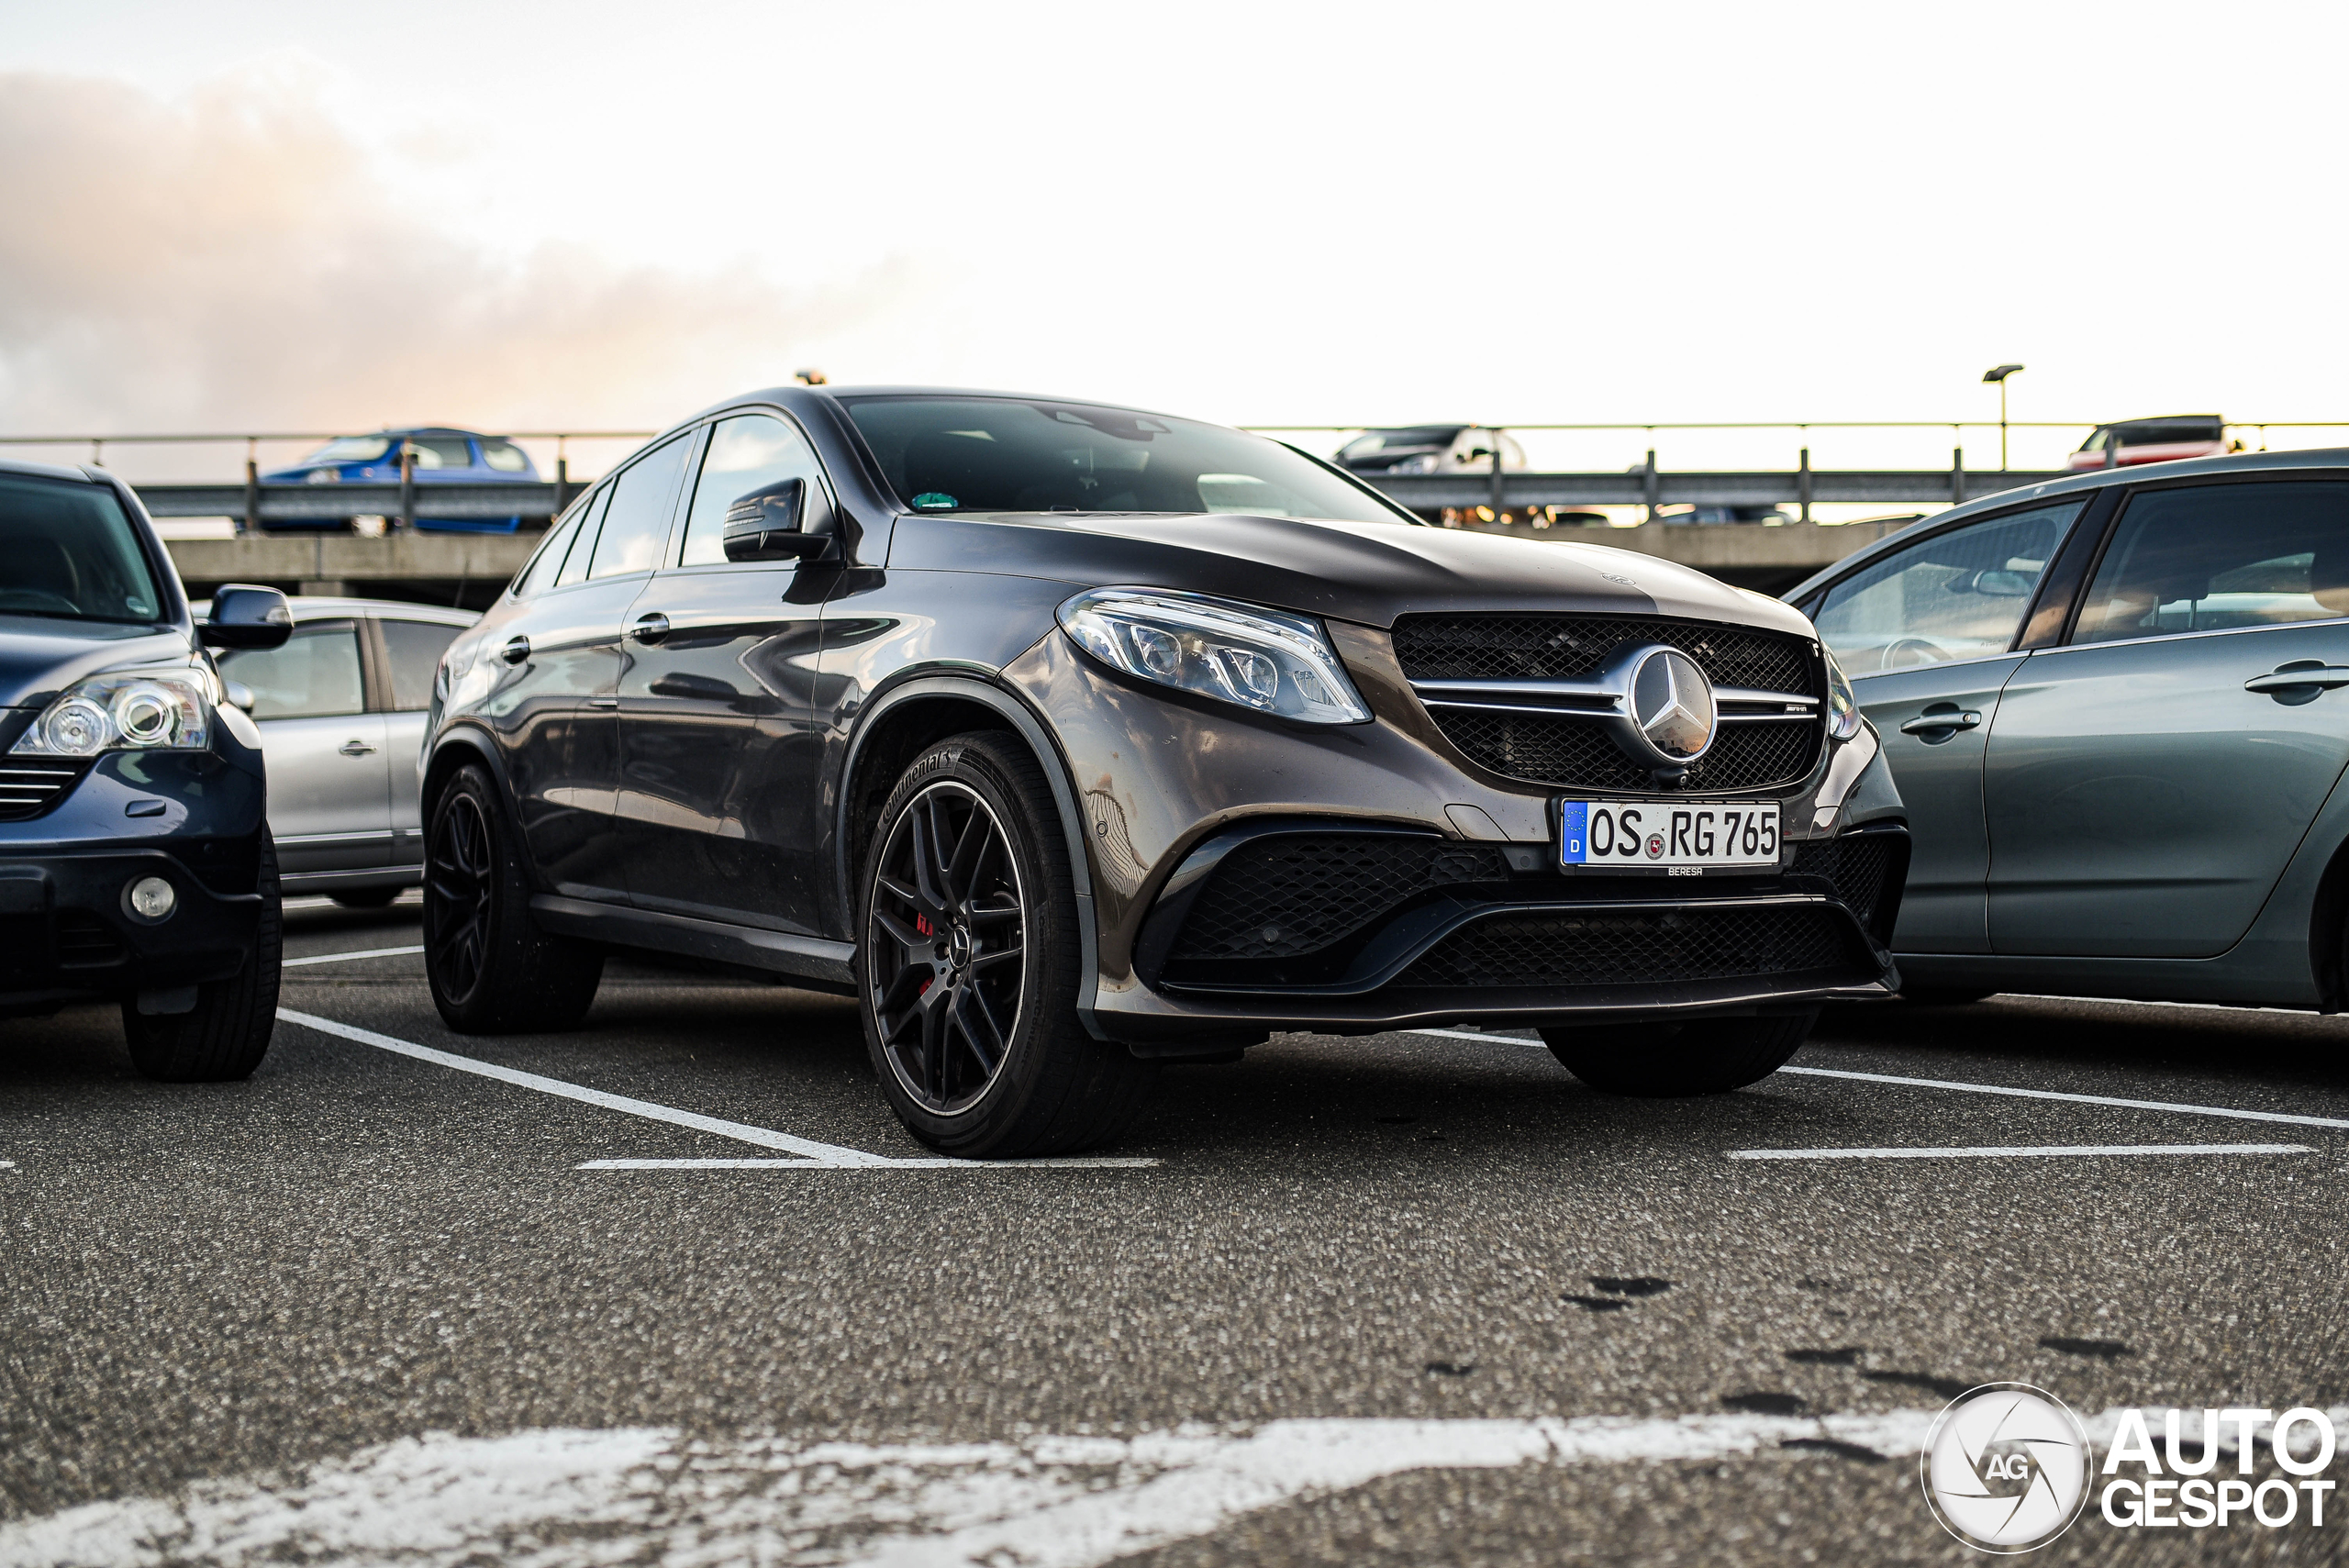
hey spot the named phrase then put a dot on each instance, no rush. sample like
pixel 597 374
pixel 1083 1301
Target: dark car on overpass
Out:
pixel 2113 704
pixel 1069 740
pixel 135 855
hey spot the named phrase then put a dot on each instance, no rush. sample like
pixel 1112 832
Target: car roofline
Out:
pixel 2086 482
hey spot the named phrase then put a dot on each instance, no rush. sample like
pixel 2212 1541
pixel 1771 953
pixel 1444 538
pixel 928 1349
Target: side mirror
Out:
pixel 771 524
pixel 238 694
pixel 244 616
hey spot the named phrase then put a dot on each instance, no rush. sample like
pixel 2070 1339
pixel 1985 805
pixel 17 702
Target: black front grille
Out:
pixel 1580 752
pixel 1635 948
pixel 29 786
pixel 1561 648
pixel 83 939
pixel 1299 892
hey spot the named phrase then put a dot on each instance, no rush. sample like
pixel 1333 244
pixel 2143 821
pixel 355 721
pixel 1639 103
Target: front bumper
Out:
pixel 1473 927
pixel 193 818
pixel 65 931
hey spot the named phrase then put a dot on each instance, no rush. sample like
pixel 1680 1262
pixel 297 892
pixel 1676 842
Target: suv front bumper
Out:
pixel 66 929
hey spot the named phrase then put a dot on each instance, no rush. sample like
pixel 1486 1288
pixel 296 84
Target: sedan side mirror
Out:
pixel 244 616
pixel 771 524
pixel 238 694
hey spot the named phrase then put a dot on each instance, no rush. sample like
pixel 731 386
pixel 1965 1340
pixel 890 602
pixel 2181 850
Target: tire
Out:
pixel 1700 1056
pixel 366 897
pixel 994 1064
pixel 226 1035
pixel 492 970
pixel 1942 996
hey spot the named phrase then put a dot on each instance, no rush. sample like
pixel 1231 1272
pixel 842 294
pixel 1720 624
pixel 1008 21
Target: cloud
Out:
pixel 233 259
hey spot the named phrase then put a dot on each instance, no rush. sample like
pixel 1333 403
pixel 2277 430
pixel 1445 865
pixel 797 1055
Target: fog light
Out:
pixel 151 899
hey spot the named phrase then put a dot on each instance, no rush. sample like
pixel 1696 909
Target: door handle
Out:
pixel 354 747
pixel 603 702
pixel 2299 682
pixel 1949 721
pixel 649 628
pixel 515 650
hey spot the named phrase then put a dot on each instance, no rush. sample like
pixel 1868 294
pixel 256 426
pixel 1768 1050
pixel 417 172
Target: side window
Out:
pixel 636 524
pixel 1961 595
pixel 414 649
pixel 505 457
pixel 442 452
pixel 746 452
pixel 314 673
pixel 2214 557
pixel 590 519
pixel 549 559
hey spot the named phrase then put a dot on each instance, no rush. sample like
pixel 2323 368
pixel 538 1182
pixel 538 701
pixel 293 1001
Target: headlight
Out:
pixel 1843 706
pixel 1237 653
pixel 168 709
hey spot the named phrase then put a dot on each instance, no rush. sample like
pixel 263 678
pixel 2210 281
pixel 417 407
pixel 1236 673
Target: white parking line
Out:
pixel 1073 1163
pixel 2230 1112
pixel 2008 1154
pixel 342 957
pixel 829 1156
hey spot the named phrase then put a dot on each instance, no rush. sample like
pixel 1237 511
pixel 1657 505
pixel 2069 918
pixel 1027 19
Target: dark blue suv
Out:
pixel 442 456
pixel 135 855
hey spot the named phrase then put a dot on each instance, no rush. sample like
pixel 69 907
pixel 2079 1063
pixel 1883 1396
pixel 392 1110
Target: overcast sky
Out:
pixel 316 214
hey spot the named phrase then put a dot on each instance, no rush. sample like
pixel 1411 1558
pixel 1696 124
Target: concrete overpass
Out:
pixel 471 569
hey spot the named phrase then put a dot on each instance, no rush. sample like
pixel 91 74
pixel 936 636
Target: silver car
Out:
pixel 342 707
pixel 2114 706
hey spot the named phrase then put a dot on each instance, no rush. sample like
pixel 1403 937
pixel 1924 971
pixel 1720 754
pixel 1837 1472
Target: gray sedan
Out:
pixel 2113 705
pixel 341 708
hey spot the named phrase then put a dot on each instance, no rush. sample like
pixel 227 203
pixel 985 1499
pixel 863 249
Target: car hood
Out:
pixel 1365 572
pixel 41 657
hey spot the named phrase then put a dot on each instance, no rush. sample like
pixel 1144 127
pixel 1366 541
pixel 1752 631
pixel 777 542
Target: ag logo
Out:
pixel 2005 1468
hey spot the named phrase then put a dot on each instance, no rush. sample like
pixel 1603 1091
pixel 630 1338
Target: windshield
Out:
pixel 351 448
pixel 990 455
pixel 71 553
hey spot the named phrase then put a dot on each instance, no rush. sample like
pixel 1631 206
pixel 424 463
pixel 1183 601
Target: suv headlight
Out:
pixel 126 710
pixel 1843 705
pixel 1258 659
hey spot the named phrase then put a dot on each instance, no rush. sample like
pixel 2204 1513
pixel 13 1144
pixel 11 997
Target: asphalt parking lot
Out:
pixel 675 1288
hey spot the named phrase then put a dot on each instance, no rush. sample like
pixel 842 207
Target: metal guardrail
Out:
pixel 1651 487
pixel 263 503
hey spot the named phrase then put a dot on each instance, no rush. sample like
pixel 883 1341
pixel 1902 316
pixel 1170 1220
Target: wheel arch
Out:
pixel 451 749
pixel 917 713
pixel 2328 926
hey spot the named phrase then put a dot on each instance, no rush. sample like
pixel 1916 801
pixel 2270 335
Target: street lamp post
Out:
pixel 1999 374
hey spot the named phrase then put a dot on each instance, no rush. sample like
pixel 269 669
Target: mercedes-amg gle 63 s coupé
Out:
pixel 1071 740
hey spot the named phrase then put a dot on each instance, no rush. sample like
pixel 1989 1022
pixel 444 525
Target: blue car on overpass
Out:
pixel 443 456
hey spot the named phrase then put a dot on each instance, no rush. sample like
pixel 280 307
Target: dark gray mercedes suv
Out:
pixel 1071 740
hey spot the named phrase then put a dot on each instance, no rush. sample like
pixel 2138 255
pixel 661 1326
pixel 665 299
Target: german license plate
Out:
pixel 1684 836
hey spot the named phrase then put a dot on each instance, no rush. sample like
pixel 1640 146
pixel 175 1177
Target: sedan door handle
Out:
pixel 515 650
pixel 649 628
pixel 355 747
pixel 1951 721
pixel 2303 680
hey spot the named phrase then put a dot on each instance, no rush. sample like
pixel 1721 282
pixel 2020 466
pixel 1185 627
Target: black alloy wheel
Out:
pixel 458 872
pixel 948 920
pixel 491 968
pixel 967 977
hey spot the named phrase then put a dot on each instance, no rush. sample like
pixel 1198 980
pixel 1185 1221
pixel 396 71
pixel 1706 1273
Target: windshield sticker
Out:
pixel 935 501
